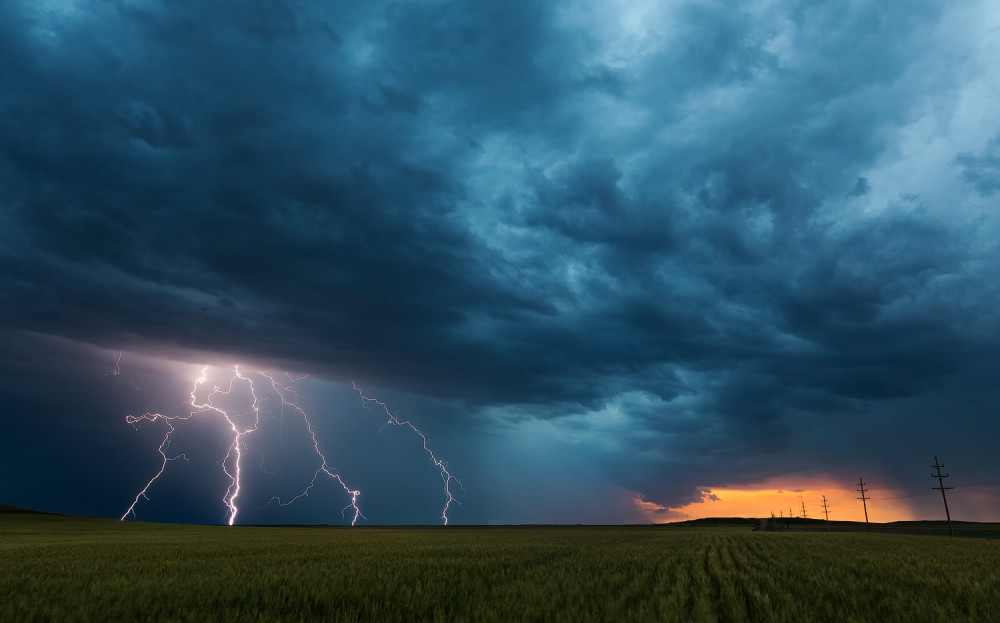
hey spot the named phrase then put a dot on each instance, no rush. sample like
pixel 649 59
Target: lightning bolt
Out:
pixel 242 425
pixel 446 477
pixel 117 369
pixel 232 463
pixel 323 468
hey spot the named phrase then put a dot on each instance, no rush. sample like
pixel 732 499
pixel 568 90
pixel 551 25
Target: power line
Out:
pixel 892 483
pixel 980 466
pixel 975 458
pixel 961 452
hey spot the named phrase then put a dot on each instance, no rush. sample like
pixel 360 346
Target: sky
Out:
pixel 620 262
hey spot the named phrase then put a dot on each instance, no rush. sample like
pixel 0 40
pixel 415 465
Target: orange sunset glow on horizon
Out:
pixel 781 495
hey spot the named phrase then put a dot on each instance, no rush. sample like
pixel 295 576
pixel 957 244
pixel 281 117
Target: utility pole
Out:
pixel 781 517
pixel 861 482
pixel 790 515
pixel 941 488
pixel 826 511
pixel 804 516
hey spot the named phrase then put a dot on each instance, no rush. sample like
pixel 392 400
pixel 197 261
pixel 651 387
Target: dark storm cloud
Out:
pixel 503 204
pixel 983 170
pixel 188 178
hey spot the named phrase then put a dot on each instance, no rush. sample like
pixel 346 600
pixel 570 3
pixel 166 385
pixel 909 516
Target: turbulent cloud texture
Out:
pixel 681 239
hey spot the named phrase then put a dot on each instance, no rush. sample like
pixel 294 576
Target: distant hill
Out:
pixel 750 522
pixel 10 510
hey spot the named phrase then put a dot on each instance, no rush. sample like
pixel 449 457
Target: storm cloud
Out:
pixel 693 237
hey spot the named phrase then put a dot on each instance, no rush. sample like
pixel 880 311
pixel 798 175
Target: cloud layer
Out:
pixel 691 230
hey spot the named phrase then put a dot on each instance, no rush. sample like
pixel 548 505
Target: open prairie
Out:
pixel 63 568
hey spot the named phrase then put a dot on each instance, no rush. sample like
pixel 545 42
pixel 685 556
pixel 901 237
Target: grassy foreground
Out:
pixel 62 569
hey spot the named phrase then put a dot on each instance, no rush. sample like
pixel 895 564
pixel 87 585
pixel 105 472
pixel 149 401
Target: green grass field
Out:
pixel 56 568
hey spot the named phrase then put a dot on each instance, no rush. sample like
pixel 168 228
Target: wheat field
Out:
pixel 56 568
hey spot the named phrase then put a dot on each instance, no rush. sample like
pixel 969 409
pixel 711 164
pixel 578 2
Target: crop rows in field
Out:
pixel 60 569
